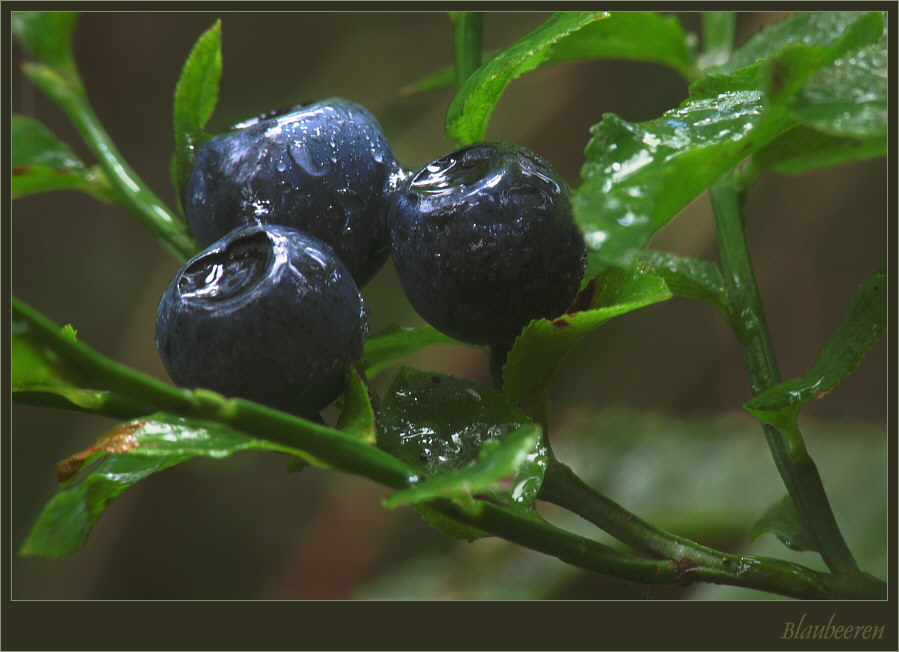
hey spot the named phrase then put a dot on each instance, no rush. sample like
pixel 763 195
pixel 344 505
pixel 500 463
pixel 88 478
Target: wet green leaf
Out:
pixel 632 35
pixel 473 104
pixel 850 97
pixel 358 416
pixel 133 451
pixel 802 149
pixel 782 520
pixel 46 34
pixel 543 343
pixel 40 162
pixel 36 373
pixel 448 526
pixel 810 28
pixel 40 374
pixel 394 343
pixel 860 327
pixel 66 521
pixel 636 36
pixel 639 175
pixel 437 423
pixel 509 469
pixel 196 94
pixel 690 277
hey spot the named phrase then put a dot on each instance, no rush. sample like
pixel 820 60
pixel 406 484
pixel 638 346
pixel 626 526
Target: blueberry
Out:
pixel 267 313
pixel 323 168
pixel 484 241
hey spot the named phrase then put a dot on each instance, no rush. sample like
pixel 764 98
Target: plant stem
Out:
pixel 468 29
pixel 693 561
pixel 498 354
pixel 748 321
pixel 64 87
pixel 133 394
pixel 717 37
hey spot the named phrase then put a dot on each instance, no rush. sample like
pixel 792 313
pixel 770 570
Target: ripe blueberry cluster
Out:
pixel 298 209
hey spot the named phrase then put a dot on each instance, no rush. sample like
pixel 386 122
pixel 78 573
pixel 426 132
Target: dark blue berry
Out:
pixel 484 241
pixel 323 168
pixel 267 313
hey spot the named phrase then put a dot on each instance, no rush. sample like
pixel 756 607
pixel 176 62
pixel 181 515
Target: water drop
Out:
pixel 307 162
pixel 222 274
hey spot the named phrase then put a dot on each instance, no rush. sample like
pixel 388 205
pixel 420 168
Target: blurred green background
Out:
pixel 647 407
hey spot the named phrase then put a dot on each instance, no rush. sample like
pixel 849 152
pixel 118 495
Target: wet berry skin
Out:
pixel 324 168
pixel 267 313
pixel 484 241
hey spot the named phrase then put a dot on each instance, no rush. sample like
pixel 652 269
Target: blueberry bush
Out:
pixel 487 458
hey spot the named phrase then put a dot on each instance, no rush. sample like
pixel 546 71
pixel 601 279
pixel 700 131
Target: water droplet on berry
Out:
pixel 222 274
pixel 460 168
pixel 307 162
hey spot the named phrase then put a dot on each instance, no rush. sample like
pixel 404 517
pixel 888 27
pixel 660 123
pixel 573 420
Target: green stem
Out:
pixel 134 394
pixel 498 355
pixel 718 29
pixel 65 88
pixel 468 30
pixel 693 561
pixel 748 321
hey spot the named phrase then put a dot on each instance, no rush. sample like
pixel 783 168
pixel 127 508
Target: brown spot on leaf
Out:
pixel 120 439
pixel 561 323
pixel 584 298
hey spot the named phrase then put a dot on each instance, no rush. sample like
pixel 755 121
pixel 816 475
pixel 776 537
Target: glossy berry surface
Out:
pixel 267 313
pixel 484 241
pixel 323 168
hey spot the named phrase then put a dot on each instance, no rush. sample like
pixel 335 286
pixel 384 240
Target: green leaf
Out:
pixel 38 374
pixel 135 450
pixel 196 94
pixel 782 520
pixel 810 28
pixel 544 343
pixel 510 468
pixel 690 277
pixel 860 327
pixel 436 423
pixel 66 521
pixel 802 149
pixel 639 175
pixel 849 98
pixel 358 416
pixel 40 162
pixel 46 34
pixel 632 35
pixel 448 526
pixel 42 374
pixel 473 104
pixel 392 344
pixel 637 36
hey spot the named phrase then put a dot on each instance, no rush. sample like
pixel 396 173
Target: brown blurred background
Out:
pixel 243 527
